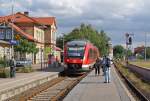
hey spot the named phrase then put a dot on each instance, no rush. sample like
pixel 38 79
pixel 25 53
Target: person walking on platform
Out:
pixel 107 69
pixel 96 66
pixel 12 67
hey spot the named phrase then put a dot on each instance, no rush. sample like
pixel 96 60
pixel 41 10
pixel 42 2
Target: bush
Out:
pixel 26 69
pixel 4 63
pixel 4 73
pixel 140 56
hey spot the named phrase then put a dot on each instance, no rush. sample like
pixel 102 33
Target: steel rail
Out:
pixel 135 90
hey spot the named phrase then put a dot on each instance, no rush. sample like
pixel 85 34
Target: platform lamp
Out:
pixel 12 33
pixel 41 58
pixel 63 39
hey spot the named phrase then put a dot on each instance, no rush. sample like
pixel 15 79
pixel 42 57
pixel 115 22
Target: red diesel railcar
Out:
pixel 80 55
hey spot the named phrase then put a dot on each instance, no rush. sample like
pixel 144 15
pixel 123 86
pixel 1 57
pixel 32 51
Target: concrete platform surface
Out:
pixel 24 81
pixel 93 88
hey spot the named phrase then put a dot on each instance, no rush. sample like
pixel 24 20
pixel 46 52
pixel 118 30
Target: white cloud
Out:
pixel 111 15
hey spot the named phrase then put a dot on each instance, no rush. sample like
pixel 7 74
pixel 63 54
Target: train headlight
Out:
pixel 67 60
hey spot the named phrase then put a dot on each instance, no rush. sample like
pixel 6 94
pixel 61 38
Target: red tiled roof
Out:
pixel 22 18
pixel 46 20
pixel 18 18
pixel 139 49
pixel 29 37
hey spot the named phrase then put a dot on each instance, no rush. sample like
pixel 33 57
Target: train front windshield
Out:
pixel 75 52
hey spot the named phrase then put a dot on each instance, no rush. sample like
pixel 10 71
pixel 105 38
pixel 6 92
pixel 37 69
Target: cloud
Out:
pixel 114 16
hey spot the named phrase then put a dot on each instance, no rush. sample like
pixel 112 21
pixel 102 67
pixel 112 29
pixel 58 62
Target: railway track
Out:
pixel 58 91
pixel 134 89
pixel 143 72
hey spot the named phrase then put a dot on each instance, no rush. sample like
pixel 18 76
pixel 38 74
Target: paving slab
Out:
pixel 23 81
pixel 93 88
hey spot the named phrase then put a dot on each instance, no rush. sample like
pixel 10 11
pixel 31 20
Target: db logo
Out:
pixel 74 61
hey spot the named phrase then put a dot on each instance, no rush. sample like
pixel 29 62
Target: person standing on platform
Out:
pixel 50 60
pixel 57 61
pixel 103 65
pixel 96 66
pixel 12 67
pixel 107 69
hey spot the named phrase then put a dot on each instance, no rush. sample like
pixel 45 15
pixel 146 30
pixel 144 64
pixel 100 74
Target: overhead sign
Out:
pixel 17 37
pixel 14 42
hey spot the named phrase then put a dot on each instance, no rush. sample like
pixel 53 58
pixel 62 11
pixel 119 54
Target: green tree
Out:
pixel 59 42
pixel 148 52
pixel 118 51
pixel 99 39
pixel 25 46
pixel 139 56
pixel 129 53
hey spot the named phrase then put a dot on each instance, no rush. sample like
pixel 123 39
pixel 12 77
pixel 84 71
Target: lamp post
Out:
pixel 41 58
pixel 12 21
pixel 63 49
pixel 126 57
pixel 63 46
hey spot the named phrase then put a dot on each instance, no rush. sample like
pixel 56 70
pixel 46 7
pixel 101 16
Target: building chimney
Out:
pixel 26 13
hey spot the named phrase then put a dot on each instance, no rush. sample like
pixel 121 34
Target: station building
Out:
pixel 40 30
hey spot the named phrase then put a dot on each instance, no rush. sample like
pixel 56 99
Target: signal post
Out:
pixel 128 43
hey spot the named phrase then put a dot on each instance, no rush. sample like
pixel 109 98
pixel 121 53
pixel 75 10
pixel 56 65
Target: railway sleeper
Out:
pixel 58 91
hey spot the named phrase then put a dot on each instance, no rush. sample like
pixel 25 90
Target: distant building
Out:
pixel 139 50
pixel 110 50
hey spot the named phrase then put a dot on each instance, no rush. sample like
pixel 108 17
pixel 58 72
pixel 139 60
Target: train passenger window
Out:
pixel 90 54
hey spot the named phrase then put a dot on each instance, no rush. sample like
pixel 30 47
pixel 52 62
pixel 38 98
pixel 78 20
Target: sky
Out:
pixel 115 17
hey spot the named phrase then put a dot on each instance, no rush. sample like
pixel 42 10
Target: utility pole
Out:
pixel 41 58
pixel 12 36
pixel 145 45
pixel 126 58
pixel 63 48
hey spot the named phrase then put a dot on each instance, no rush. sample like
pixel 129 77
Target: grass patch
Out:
pixel 141 63
pixel 4 73
pixel 135 79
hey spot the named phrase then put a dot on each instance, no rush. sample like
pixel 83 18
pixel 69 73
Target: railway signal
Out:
pixel 128 42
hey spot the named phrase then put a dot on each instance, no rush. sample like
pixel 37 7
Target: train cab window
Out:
pixel 75 52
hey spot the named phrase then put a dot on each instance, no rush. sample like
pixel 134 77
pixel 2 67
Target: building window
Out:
pixel 37 34
pixel 40 36
pixel 2 35
pixel 8 34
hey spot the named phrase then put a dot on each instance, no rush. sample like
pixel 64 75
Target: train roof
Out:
pixel 77 43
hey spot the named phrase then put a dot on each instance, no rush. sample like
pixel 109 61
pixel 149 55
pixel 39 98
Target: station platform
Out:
pixel 93 88
pixel 10 87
